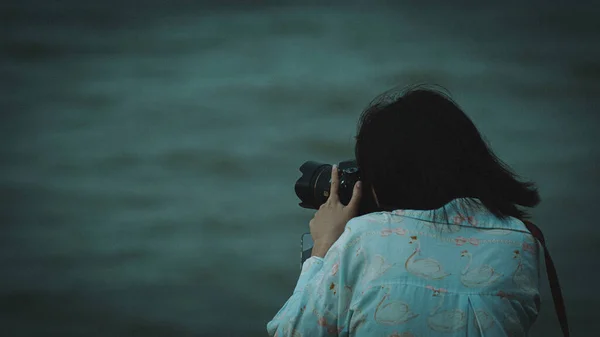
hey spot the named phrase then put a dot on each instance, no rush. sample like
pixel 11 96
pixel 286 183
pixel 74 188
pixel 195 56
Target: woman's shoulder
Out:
pixel 373 223
pixel 367 222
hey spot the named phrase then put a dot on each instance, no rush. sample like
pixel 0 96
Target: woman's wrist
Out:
pixel 320 249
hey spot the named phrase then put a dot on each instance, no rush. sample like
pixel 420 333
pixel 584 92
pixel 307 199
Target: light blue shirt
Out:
pixel 405 273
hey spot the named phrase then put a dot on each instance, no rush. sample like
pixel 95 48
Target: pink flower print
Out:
pixel 462 240
pixel 386 232
pixel 458 219
pixel 400 231
pixel 322 321
pixel 527 247
pixel 335 268
pixel 390 231
pixel 472 221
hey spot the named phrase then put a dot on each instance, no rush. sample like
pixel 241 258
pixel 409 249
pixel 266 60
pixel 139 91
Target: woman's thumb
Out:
pixel 356 194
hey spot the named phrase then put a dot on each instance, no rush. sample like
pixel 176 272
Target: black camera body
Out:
pixel 315 183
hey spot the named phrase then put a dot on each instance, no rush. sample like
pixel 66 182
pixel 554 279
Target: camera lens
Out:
pixel 313 186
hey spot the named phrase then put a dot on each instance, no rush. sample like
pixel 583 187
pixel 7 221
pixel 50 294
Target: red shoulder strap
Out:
pixel 559 303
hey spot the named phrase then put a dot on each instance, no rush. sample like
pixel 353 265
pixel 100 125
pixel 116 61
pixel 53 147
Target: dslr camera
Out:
pixel 314 185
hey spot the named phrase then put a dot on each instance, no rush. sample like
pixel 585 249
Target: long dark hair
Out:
pixel 419 150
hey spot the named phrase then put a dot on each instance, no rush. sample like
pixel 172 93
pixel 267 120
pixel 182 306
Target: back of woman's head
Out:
pixel 419 150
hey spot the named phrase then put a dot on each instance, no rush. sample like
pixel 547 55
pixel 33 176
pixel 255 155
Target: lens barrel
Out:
pixel 313 186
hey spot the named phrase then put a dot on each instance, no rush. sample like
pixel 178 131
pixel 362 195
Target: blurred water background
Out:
pixel 149 149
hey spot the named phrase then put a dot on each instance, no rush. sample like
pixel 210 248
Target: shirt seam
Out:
pixel 451 292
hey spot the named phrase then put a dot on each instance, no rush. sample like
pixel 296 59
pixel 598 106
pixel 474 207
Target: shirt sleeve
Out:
pixel 320 302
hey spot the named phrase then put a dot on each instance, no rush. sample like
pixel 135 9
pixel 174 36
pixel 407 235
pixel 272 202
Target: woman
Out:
pixel 437 246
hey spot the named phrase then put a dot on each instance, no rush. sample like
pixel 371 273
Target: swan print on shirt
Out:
pixel 478 276
pixel 426 268
pixel 483 320
pixel 393 312
pixel 448 320
pixel 398 275
pixel 520 277
pixel 375 267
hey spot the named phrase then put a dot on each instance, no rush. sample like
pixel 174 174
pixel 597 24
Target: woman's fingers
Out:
pixel 335 181
pixel 355 200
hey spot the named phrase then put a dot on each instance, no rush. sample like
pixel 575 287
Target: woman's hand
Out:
pixel 330 220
